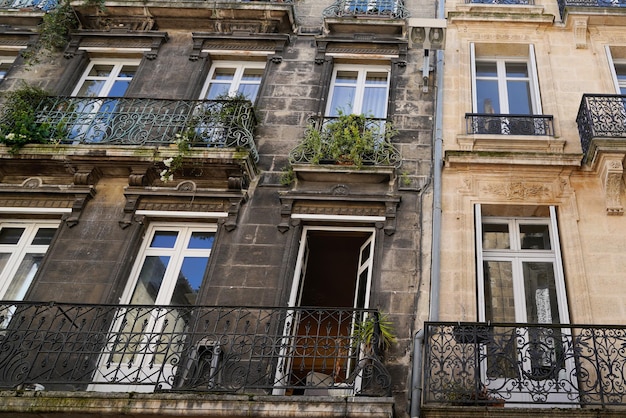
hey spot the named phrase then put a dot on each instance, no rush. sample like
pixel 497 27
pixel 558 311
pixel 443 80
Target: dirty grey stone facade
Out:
pixel 106 196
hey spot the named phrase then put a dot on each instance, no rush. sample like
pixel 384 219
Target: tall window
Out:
pixel 505 85
pixel 359 90
pixel 22 248
pixel 233 78
pixel 94 116
pixel 617 60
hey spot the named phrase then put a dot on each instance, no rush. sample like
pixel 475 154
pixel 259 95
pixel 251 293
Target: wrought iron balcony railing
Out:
pixel 129 121
pixel 324 142
pixel 601 116
pixel 503 124
pixel 184 348
pixel 367 8
pixel 506 2
pixel 44 5
pixel 525 364
pixel 589 3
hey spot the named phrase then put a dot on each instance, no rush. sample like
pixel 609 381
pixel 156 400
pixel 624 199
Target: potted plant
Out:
pixel 375 332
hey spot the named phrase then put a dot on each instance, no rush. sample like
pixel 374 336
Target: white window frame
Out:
pixel 5 61
pixel 177 255
pixel 361 84
pixel 118 64
pixel 239 67
pixel 500 61
pixel 617 84
pixel 19 251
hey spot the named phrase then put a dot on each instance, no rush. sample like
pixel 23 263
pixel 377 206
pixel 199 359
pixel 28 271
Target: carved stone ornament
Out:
pixel 612 173
pixel 518 190
pixel 148 42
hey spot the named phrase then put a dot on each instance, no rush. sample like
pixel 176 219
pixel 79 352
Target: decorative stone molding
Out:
pixel 580 31
pixel 146 42
pixel 393 48
pixel 86 175
pixel 611 174
pixel 243 42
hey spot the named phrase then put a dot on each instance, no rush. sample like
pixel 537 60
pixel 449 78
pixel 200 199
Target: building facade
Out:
pixel 532 213
pixel 214 209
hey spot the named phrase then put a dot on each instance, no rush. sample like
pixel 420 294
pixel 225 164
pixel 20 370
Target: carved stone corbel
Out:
pixel 580 31
pixel 286 206
pixel 390 215
pixel 233 212
pixel 86 175
pixel 611 175
pixel 80 200
pixel 129 211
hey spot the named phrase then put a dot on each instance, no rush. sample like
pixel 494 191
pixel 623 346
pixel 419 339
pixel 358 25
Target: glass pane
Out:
pixel 164 239
pixel 252 75
pixel 150 280
pixel 486 69
pixel 535 237
pixel 343 100
pixel 224 74
pixel 346 77
pixel 23 277
pixel 487 96
pixel 44 236
pixel 496 236
pixel 516 69
pixel 189 280
pixel 127 71
pixel 4 257
pixel 201 240
pixel 91 88
pixel 119 88
pixel 379 78
pixel 217 89
pixel 249 91
pixel 499 298
pixel 10 235
pixel 519 97
pixel 100 70
pixel 540 288
pixel 374 101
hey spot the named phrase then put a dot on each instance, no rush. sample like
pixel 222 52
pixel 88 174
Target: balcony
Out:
pixel 229 350
pixel 34 5
pixel 506 2
pixel 504 124
pixel 524 365
pixel 602 124
pixel 367 8
pixel 374 17
pixel 599 12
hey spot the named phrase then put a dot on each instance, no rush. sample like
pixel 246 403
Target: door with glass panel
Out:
pixel 145 344
pixel 521 282
pixel 101 86
pixel 23 246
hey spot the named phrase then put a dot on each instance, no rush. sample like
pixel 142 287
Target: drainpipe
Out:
pixel 418 343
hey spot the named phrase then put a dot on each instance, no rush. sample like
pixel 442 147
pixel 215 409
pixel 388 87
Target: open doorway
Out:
pixel 331 286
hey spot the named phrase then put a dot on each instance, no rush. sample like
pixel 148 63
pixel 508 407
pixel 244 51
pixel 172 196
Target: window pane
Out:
pixel 374 101
pixel 496 236
pixel 540 287
pixel 10 235
pixel 189 280
pixel 224 74
pixel 217 89
pixel 534 237
pixel 376 78
pixel 252 75
pixel 44 236
pixel 164 239
pixel 100 70
pixel 499 298
pixel 150 280
pixel 343 100
pixel 23 277
pixel 487 96
pixel 4 257
pixel 201 240
pixel 486 69
pixel 516 69
pixel 346 77
pixel 119 88
pixel 249 91
pixel 127 71
pixel 91 88
pixel 519 97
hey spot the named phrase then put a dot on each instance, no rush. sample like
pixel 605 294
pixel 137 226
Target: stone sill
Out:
pixel 462 158
pixel 510 143
pixel 46 404
pixel 344 173
pixel 522 13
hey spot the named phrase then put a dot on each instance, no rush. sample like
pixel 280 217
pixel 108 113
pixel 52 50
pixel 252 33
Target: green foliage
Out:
pixel 19 125
pixel 288 176
pixel 365 331
pixel 348 139
pixel 53 32
pixel 176 162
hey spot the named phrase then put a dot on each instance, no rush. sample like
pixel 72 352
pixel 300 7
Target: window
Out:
pixel 617 60
pixel 232 78
pixel 620 77
pixel 359 90
pixel 22 248
pixel 5 65
pixel 505 85
pixel 103 78
pixel 520 281
pixel 169 271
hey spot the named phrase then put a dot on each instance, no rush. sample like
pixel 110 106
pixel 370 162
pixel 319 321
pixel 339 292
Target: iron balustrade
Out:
pixel 384 153
pixel 526 364
pixel 367 8
pixel 56 346
pixel 506 2
pixel 504 124
pixel 132 121
pixel 601 116
pixel 44 5
pixel 589 3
